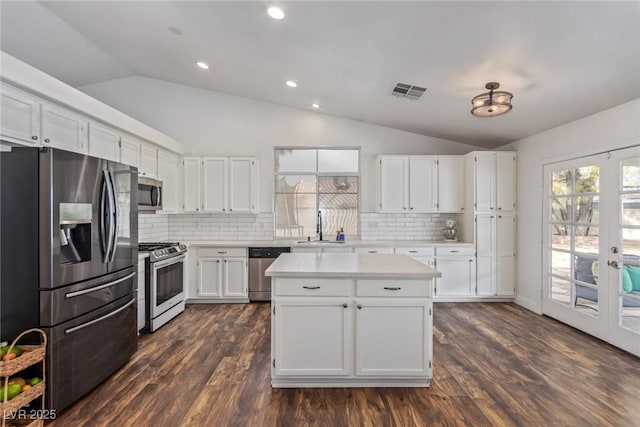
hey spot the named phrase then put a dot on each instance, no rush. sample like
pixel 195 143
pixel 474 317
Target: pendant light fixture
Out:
pixel 491 103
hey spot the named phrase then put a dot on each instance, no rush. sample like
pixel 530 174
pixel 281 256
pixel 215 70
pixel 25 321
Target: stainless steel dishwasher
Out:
pixel 259 260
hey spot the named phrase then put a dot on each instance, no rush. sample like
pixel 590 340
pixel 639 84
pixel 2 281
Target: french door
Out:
pixel 591 249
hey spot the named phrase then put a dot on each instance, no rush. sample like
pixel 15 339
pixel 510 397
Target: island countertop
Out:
pixel 349 265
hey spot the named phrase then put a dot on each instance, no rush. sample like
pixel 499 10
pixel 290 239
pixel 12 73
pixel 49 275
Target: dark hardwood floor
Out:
pixel 494 364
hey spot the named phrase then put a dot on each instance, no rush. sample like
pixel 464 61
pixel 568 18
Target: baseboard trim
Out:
pixel 472 299
pixel 217 301
pixel 529 304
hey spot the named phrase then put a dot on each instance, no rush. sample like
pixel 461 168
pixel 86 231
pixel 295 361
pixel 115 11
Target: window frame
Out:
pixel 317 175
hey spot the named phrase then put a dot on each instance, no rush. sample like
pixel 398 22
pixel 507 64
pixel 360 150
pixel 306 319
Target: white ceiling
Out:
pixel 561 60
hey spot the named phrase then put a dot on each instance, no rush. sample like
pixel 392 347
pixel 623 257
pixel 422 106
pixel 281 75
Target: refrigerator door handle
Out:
pixel 115 213
pixel 109 214
pixel 104 217
pixel 99 319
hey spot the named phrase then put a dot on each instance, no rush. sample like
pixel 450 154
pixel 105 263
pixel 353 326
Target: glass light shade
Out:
pixel 491 104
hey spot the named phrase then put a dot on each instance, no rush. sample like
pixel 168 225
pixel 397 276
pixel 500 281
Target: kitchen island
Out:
pixel 351 320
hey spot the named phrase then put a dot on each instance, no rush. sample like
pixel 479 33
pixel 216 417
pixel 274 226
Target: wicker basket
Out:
pixel 31 355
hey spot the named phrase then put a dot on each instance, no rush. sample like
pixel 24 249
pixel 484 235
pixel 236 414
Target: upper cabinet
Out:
pixel 220 184
pixel 104 142
pixel 495 181
pixel 169 174
pixel 64 129
pixel 19 116
pixel 148 161
pixel 130 151
pixel 421 183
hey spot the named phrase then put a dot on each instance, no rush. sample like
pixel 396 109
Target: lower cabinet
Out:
pixel 220 273
pixel 319 331
pixel 457 276
pixel 359 332
pixel 392 337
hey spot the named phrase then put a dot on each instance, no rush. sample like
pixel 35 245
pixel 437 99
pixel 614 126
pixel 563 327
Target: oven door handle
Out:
pixel 97 288
pixel 174 260
pixel 99 319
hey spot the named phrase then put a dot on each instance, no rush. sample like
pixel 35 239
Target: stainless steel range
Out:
pixel 164 283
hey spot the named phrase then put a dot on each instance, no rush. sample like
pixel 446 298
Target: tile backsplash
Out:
pixel 373 226
pixel 403 226
pixel 221 227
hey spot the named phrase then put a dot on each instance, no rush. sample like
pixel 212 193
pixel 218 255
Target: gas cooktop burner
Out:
pixel 160 251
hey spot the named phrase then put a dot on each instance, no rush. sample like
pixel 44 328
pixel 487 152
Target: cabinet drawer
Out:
pixel 378 250
pixel 455 251
pixel 416 251
pixel 391 288
pixel 222 252
pixel 295 286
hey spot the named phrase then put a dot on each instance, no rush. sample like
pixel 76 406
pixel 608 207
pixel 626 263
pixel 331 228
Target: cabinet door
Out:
pixel 148 161
pixel 312 336
pixel 19 116
pixel 485 172
pixel 242 185
pixel 423 183
pixel 168 173
pixel 191 168
pixel 457 277
pixel 451 183
pixel 104 142
pixel 63 129
pixel 214 184
pixel 394 177
pixel 385 325
pixel 130 151
pixel 235 278
pixel 210 277
pixel 505 260
pixel 486 252
pixel 506 181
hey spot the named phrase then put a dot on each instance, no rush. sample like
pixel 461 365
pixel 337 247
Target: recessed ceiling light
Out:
pixel 202 65
pixel 291 83
pixel 314 105
pixel 275 12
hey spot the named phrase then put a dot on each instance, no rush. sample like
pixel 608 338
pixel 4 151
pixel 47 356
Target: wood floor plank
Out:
pixel 495 364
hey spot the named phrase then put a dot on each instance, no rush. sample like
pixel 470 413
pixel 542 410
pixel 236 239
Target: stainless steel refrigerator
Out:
pixel 69 237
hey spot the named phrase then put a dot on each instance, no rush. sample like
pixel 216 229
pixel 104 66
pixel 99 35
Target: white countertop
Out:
pixel 348 243
pixel 349 266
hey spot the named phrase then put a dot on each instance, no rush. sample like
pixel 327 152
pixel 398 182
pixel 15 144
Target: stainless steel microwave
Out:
pixel 149 194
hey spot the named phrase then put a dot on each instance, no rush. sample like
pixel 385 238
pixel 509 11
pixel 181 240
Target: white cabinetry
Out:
pixel 495 245
pixel 506 254
pixel 104 142
pixel 456 264
pixel 220 274
pixel 130 151
pixel 320 328
pixel 169 174
pixel 425 255
pixel 314 321
pixel 220 184
pixel 148 161
pixel 373 250
pixel 421 183
pixel 385 325
pixel 494 181
pixel 19 116
pixel 64 129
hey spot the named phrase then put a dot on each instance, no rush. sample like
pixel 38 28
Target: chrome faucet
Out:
pixel 319 226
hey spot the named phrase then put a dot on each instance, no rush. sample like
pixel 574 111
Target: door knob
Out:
pixel 614 264
pixel 614 249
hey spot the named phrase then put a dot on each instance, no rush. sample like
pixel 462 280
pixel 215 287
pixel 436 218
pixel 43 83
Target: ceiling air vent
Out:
pixel 408 91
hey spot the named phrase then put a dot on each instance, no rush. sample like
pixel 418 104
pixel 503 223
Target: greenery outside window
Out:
pixel 309 180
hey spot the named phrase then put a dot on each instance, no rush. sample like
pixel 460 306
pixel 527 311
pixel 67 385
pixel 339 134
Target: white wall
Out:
pixel 213 123
pixel 617 127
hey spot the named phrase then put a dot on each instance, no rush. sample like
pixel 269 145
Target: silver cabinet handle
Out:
pixel 311 287
pixel 34 137
pixel 99 319
pixel 222 252
pixel 47 140
pixel 230 209
pixel 391 289
pixel 97 288
pixel 454 251
pixel 413 252
pixel 345 305
pixel 373 252
pixel 359 306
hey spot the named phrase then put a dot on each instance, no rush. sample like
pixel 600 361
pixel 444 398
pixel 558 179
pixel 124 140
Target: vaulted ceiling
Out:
pixel 561 60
